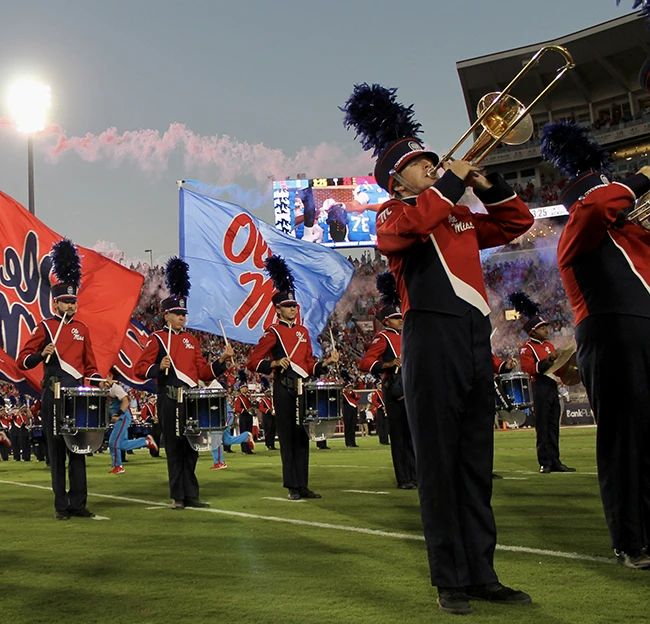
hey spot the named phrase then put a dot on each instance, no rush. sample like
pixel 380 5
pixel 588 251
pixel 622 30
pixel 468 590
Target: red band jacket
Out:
pixel 265 405
pixel 433 244
pixel 279 341
pixel 385 347
pixel 188 364
pixel 532 356
pixel 73 359
pixel 606 268
pixel 242 404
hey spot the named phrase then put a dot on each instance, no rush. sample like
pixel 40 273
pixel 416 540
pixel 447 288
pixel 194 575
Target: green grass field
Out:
pixel 348 558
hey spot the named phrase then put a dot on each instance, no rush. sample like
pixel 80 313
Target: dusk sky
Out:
pixel 253 88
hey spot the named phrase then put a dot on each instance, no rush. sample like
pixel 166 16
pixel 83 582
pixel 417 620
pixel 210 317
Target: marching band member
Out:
pixel 265 407
pixel 149 415
pixel 381 420
pixel 118 409
pixel 384 358
pixel 432 245
pixel 68 362
pixel 350 410
pixel 604 261
pixel 536 357
pixel 243 408
pixel 285 350
pixel 5 442
pixel 173 358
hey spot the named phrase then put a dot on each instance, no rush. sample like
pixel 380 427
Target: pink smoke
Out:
pixel 150 150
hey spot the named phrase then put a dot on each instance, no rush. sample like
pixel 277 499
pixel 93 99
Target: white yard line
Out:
pixel 283 500
pixel 363 492
pixel 327 525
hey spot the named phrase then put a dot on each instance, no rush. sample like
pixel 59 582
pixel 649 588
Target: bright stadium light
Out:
pixel 28 103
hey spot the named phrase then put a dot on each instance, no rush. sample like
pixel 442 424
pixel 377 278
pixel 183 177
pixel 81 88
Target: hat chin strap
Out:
pixel 404 183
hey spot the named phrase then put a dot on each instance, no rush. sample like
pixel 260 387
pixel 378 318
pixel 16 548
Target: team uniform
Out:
pixel 278 341
pixel 350 416
pixel 432 245
pixel 221 438
pixel 546 401
pixel 119 438
pixel 72 362
pixel 187 368
pixel 244 411
pixel 386 347
pixel 381 420
pixel 20 441
pixel 149 417
pixel 606 273
pixel 265 407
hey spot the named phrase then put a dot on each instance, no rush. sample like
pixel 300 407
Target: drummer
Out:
pixel 285 350
pixel 67 362
pixel 173 358
pixel 536 356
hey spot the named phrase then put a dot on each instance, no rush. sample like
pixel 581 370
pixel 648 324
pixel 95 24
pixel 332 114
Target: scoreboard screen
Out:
pixel 337 212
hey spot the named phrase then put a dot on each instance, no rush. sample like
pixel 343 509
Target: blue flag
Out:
pixel 225 247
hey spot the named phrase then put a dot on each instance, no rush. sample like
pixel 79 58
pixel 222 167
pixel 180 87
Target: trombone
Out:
pixel 640 215
pixel 504 118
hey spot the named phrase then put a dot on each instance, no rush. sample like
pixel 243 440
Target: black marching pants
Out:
pixel 546 403
pixel 401 448
pixel 245 424
pixel 20 443
pixel 382 425
pixel 268 424
pixel 294 441
pixel 614 362
pixel 350 419
pixel 181 457
pixel 76 497
pixel 449 393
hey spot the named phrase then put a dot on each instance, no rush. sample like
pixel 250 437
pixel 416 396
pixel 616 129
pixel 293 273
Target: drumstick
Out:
pixel 223 332
pixel 169 346
pixel 56 336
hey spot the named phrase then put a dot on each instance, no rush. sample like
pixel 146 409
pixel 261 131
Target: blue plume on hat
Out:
pixel 177 277
pixel 347 378
pixel 523 304
pixel 570 148
pixel 243 380
pixel 387 288
pixel 265 383
pixel 279 273
pixel 337 213
pixel 644 5
pixel 66 262
pixel 377 117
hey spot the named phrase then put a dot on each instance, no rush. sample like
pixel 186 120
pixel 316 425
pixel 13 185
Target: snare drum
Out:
pixel 140 429
pixel 322 408
pixel 81 415
pixel 205 413
pixel 516 387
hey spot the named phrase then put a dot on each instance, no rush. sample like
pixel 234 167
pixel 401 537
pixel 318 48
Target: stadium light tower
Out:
pixel 150 252
pixel 28 103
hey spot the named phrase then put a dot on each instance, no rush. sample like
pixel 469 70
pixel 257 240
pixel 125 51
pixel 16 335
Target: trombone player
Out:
pixel 432 245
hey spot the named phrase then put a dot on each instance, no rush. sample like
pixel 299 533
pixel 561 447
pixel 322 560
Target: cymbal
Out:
pixel 569 373
pixel 564 356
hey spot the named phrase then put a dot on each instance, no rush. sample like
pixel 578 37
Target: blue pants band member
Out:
pixel 119 440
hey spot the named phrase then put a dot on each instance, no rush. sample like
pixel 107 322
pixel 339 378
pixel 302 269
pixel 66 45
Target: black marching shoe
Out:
pixel 293 494
pixel 409 485
pixel 62 515
pixel 307 493
pixel 496 476
pixel 195 502
pixel 498 594
pixel 178 504
pixel 562 468
pixel 453 600
pixel 545 469
pixel 635 559
pixel 82 513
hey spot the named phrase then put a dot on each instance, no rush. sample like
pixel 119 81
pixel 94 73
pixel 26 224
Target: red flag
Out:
pixel 109 292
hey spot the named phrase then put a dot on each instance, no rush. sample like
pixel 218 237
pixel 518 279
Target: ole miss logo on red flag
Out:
pixel 109 292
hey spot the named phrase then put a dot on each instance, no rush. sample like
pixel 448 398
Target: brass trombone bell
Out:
pixel 504 118
pixel 640 214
